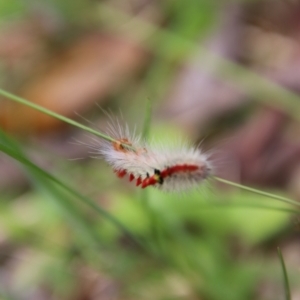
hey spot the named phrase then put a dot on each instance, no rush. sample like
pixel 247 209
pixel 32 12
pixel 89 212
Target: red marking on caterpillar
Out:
pixel 139 181
pixel 150 181
pixel 121 173
pixel 178 177
pixel 177 169
pixel 131 177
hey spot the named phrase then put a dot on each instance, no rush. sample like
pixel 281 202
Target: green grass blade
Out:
pixel 50 190
pixel 251 206
pixel 54 115
pixel 255 191
pixel 22 159
pixel 144 196
pixel 285 276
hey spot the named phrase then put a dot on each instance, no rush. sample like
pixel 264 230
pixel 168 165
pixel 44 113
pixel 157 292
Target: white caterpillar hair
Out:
pixel 168 168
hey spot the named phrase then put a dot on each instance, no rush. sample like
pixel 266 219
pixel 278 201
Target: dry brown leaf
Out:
pixel 85 72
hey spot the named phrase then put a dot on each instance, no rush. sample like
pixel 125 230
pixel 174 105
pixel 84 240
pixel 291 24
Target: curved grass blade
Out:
pixel 251 206
pixel 32 167
pixel 51 190
pixel 255 191
pixel 145 200
pixel 285 276
pixel 54 115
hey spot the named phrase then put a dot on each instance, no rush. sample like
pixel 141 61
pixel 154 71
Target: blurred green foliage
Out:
pixel 202 245
pixel 11 9
pixel 189 239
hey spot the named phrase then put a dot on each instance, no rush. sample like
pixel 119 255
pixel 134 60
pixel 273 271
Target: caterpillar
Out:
pixel 176 168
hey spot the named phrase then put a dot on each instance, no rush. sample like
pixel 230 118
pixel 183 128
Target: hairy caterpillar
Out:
pixel 175 168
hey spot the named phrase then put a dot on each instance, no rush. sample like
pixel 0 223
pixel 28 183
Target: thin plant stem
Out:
pixel 285 276
pixel 19 156
pixel 253 190
pixel 144 196
pixel 54 115
pixel 108 138
pixel 248 205
pixel 154 221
